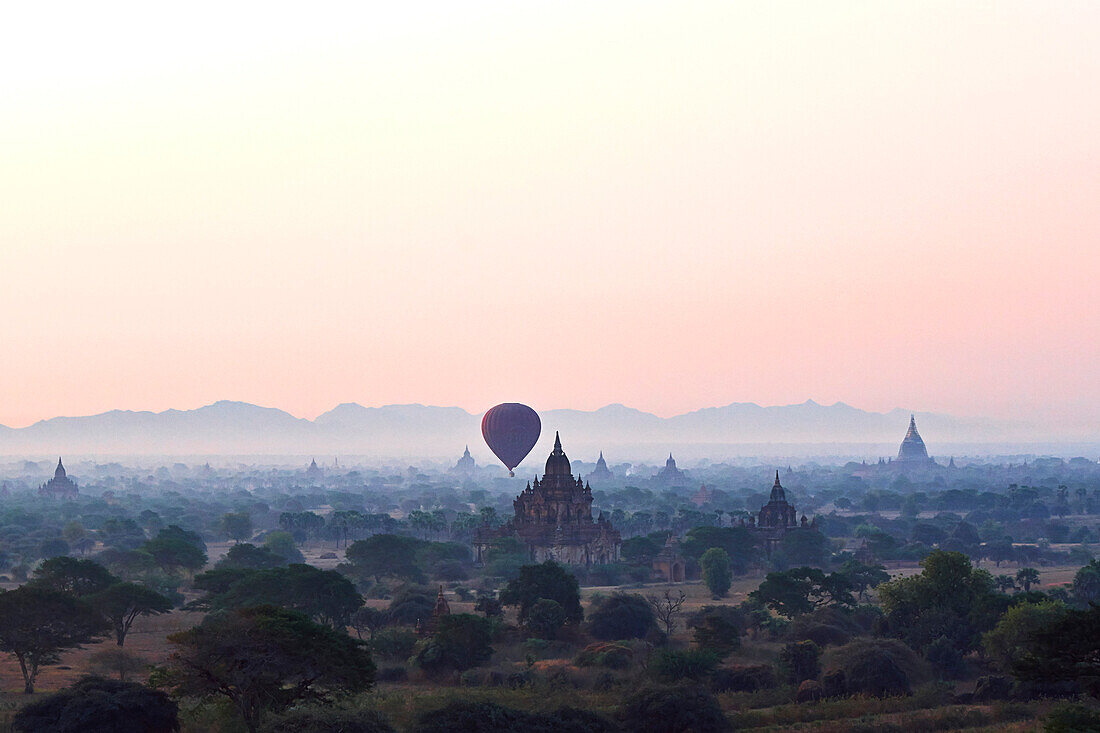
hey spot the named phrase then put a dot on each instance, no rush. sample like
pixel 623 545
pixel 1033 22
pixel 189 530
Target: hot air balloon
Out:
pixel 511 431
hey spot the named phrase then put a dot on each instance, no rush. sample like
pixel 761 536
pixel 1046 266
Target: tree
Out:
pixel 738 542
pixel 1005 583
pixel 97 705
pixel 949 598
pixel 545 619
pixel 1008 640
pixel 1086 583
pixel 1065 651
pixel 801 590
pixel 621 616
pixel 37 624
pixel 384 555
pixel 324 595
pixel 282 544
pixel 715 563
pixel 460 641
pixel 115 660
pixel 121 603
pixel 547 580
pixel 367 619
pixel 862 577
pixel 246 556
pixel 265 659
pixel 666 607
pixel 805 547
pixel 174 551
pixel 237 526
pixel 72 576
pixel 1027 577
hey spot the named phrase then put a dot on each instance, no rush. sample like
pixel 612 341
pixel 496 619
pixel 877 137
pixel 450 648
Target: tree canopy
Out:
pixel 265 659
pixel 37 624
pixel 546 580
pixel 97 705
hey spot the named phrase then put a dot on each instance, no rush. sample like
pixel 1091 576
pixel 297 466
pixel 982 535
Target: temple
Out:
pixel 778 517
pixel 314 472
pixel 912 450
pixel 60 486
pixel 601 472
pixel 553 520
pixel 466 464
pixel 670 475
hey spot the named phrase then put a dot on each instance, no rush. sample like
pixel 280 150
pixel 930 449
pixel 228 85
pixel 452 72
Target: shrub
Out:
pixel 678 709
pixel 622 616
pixel 392 674
pixel 97 705
pixel 875 667
pixel 716 633
pixel 393 643
pixel 460 641
pixel 744 678
pixel 675 665
pixel 545 618
pixel 820 634
pixel 1072 718
pixel 992 687
pixel 799 661
pixel 329 720
pixel 605 654
pixel 809 691
pixel 944 655
pixel 487 717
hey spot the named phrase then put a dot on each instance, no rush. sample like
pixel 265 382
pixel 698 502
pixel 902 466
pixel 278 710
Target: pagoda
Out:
pixel 670 475
pixel 601 472
pixel 60 486
pixel 466 464
pixel 553 520
pixel 913 450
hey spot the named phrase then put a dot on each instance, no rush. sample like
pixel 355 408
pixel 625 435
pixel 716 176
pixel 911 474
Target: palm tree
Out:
pixel 1027 577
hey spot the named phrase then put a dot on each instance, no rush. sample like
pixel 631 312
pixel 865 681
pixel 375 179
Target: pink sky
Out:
pixel 669 205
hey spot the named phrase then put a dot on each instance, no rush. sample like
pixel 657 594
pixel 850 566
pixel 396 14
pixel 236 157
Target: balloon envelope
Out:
pixel 511 431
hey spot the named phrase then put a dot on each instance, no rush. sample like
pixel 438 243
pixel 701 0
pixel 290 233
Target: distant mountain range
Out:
pixel 395 431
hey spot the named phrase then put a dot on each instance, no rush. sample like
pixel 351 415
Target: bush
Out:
pixel 875 667
pixel 393 643
pixel 328 720
pixel 392 674
pixel 809 691
pixel 820 634
pixel 799 661
pixel 945 657
pixel 675 665
pixel 460 641
pixel 744 678
pixel 605 654
pixel 622 616
pixel 679 709
pixel 1072 719
pixel 487 717
pixel 97 705
pixel 716 633
pixel 545 619
pixel 992 687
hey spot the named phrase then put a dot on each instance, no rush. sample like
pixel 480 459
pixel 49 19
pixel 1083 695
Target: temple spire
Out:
pixel 776 478
pixel 557 441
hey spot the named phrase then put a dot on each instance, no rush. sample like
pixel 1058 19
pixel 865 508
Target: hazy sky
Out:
pixel 670 205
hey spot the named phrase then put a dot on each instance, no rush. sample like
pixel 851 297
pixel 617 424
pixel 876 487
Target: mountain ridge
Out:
pixel 413 429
